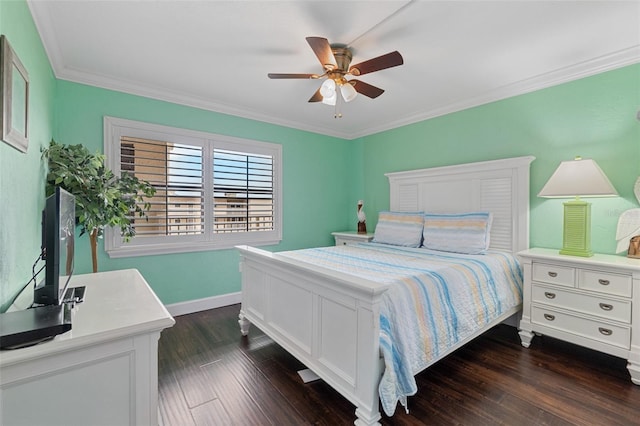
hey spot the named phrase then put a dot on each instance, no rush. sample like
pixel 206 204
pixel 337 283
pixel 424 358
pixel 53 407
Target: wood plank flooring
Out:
pixel 210 375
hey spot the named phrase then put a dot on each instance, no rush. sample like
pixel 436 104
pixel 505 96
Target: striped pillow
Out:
pixel 459 233
pixel 399 228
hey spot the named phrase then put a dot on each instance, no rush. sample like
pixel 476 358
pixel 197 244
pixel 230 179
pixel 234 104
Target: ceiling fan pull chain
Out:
pixel 337 112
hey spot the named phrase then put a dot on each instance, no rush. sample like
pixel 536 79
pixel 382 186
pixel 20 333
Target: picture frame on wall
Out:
pixel 15 98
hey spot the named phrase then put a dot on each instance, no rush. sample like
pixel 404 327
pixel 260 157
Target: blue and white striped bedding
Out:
pixel 435 299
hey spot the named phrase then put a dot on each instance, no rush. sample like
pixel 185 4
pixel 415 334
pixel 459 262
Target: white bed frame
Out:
pixel 330 320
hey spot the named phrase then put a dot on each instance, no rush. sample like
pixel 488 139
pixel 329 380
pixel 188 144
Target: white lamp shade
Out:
pixel 578 178
pixel 330 100
pixel 348 92
pixel 328 88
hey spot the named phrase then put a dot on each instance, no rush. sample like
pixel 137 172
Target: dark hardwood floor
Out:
pixel 210 375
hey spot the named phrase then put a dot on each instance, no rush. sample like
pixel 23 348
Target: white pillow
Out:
pixel 459 233
pixel 399 228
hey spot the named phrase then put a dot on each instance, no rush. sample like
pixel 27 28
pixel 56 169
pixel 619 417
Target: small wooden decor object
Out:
pixel 634 247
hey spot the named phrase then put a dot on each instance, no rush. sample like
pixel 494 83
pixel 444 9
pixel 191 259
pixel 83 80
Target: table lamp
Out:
pixel 577 178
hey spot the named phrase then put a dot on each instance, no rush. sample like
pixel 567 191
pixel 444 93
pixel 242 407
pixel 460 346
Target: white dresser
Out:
pixel 351 237
pixel 590 301
pixel 102 372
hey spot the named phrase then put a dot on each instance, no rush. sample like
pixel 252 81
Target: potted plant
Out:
pixel 102 198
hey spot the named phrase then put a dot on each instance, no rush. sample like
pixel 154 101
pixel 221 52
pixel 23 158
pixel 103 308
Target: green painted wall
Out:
pixel 316 199
pixel 22 174
pixel 594 117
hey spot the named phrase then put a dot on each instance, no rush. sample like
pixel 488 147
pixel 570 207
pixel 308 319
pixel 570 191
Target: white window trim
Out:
pixel 115 128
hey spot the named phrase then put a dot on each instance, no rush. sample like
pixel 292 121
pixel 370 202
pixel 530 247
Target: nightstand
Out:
pixel 590 301
pixel 351 237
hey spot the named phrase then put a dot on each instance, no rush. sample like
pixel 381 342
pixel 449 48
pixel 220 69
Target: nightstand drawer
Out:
pixel 554 274
pixel 592 329
pixel 605 282
pixel 617 310
pixel 344 241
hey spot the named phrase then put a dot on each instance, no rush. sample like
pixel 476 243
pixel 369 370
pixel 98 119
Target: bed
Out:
pixel 333 315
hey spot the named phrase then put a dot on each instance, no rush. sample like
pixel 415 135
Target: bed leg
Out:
pixel 244 324
pixel 367 418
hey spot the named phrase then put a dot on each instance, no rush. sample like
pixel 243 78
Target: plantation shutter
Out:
pixel 175 171
pixel 243 192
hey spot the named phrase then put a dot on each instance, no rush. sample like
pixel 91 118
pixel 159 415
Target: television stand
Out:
pixel 108 361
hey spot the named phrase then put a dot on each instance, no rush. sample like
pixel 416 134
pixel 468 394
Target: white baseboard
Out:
pixel 191 306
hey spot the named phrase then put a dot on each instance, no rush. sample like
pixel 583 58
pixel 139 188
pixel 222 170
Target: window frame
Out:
pixel 115 128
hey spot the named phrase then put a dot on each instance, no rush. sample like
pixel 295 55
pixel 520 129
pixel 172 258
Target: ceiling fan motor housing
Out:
pixel 343 57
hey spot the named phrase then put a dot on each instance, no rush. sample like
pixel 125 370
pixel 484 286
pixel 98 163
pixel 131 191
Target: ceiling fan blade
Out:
pixel 280 75
pixel 317 97
pixel 389 60
pixel 322 49
pixel 366 88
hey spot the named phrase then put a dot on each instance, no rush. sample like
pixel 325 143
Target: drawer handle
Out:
pixel 552 274
pixel 603 282
pixel 606 307
pixel 549 295
pixel 605 331
pixel 549 317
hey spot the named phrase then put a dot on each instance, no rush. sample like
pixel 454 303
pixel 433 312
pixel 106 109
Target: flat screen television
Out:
pixel 58 241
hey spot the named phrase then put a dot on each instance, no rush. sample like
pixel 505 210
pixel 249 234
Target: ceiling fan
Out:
pixel 335 60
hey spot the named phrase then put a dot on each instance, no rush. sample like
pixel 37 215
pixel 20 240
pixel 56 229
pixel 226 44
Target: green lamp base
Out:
pixel 571 252
pixel 576 238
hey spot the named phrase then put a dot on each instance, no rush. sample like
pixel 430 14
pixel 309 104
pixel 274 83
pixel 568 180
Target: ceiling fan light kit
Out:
pixel 335 60
pixel 329 88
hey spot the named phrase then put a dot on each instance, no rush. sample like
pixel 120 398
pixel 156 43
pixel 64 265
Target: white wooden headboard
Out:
pixel 498 186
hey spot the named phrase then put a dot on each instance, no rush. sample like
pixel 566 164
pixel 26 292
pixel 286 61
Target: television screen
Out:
pixel 58 240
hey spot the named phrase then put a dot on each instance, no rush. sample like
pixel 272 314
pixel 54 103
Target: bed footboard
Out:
pixel 327 320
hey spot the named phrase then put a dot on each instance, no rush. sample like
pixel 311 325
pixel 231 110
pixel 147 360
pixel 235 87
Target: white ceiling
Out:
pixel 216 55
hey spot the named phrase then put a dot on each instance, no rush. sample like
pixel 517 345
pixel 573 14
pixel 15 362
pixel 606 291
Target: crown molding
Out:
pixel 162 94
pixel 564 75
pixel 574 72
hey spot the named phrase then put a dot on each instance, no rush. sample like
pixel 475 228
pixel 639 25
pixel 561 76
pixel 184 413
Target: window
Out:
pixel 242 191
pixel 212 191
